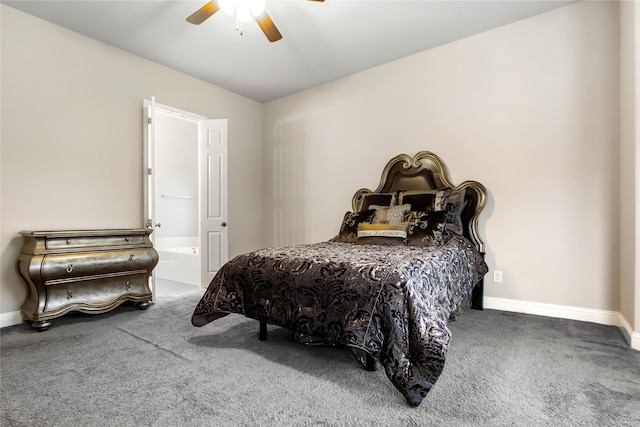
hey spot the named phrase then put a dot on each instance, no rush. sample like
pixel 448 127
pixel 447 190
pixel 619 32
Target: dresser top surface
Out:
pixel 92 233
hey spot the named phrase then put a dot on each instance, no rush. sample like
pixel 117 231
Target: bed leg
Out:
pixel 263 330
pixel 370 364
pixel 367 361
pixel 476 296
pixel 478 293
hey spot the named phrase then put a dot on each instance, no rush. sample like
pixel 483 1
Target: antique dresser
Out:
pixel 91 271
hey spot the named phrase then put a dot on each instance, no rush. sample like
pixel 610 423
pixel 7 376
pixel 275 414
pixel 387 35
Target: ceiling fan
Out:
pixel 245 10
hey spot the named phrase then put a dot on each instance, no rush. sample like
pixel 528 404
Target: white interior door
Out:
pixel 213 197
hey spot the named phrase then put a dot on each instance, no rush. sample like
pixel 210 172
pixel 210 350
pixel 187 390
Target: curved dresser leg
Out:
pixel 41 325
pixel 144 305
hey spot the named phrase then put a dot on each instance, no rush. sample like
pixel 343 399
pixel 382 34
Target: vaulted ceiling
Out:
pixel 322 41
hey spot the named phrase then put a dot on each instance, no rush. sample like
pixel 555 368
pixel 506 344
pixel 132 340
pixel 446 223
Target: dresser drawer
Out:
pixel 66 266
pixel 72 242
pixel 97 293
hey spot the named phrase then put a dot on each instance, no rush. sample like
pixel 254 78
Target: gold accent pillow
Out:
pixel 389 214
pixel 382 234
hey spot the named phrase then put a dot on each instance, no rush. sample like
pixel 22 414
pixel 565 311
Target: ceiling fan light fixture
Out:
pixel 256 6
pixel 227 6
pixel 245 10
pixel 243 14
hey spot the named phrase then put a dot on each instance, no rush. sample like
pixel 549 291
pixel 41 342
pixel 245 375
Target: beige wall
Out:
pixel 630 161
pixel 529 109
pixel 72 138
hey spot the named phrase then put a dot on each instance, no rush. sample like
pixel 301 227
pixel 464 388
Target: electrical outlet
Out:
pixel 497 276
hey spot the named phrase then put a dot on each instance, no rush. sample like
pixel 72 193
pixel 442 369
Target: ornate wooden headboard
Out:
pixel 426 171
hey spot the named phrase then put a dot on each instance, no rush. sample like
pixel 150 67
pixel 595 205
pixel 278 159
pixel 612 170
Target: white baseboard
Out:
pixel 10 319
pixel 633 337
pixel 603 317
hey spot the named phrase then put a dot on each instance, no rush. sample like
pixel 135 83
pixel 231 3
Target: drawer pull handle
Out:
pixel 128 285
pixel 69 294
pixel 69 268
pixel 68 242
pixel 126 239
pixel 131 257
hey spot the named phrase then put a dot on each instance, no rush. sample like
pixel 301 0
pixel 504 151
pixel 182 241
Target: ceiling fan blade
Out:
pixel 202 14
pixel 268 27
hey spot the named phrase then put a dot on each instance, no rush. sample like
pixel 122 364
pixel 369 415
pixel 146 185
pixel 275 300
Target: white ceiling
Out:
pixel 321 41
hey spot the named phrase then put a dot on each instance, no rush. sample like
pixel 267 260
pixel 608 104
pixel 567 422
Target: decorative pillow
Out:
pixel 423 201
pixel 454 202
pixel 389 214
pixel 349 228
pixel 382 234
pixel 426 228
pixel 381 199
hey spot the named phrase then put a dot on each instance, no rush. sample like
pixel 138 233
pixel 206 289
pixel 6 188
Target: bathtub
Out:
pixel 178 263
pixel 184 251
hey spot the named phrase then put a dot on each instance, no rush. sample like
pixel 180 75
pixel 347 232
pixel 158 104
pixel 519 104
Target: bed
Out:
pixel 406 259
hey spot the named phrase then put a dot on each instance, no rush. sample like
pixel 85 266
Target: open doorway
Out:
pixel 176 200
pixel 185 193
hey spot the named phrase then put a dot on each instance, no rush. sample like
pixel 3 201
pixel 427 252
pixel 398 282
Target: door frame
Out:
pixel 149 118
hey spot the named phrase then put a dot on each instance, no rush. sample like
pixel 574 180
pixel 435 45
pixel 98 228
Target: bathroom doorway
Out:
pixel 179 189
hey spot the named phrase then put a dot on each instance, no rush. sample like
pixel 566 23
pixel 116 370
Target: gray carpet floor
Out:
pixel 152 368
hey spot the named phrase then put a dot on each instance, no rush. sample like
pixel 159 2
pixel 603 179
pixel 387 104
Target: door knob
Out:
pixel 224 224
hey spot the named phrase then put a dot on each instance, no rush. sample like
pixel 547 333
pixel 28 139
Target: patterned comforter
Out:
pixel 391 301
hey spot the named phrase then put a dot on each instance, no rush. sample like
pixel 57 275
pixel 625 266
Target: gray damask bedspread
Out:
pixel 391 301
